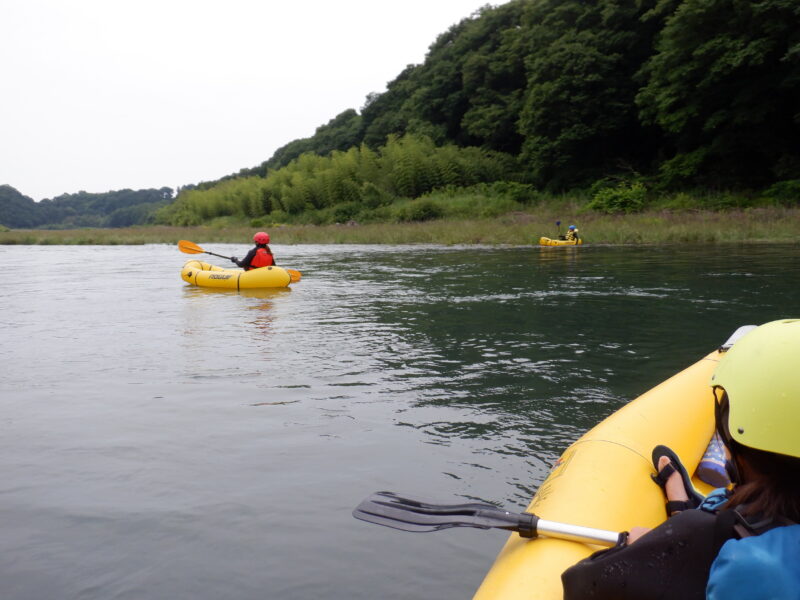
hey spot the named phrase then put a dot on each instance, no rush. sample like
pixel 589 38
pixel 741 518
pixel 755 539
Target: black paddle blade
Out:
pixel 391 510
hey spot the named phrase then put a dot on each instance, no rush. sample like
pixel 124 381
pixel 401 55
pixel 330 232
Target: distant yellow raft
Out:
pixel 603 481
pixel 206 275
pixel 545 241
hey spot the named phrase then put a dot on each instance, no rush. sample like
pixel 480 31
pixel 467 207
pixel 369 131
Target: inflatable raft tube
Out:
pixel 211 276
pixel 603 480
pixel 545 241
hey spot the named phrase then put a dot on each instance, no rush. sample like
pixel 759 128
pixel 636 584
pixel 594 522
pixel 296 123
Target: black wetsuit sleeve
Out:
pixel 670 562
pixel 273 256
pixel 245 262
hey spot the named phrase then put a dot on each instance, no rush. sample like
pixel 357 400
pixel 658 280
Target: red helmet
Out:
pixel 261 238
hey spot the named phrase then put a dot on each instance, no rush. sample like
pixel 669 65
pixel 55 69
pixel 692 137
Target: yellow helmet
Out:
pixel 761 377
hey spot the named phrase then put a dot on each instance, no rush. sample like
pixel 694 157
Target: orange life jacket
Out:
pixel 262 259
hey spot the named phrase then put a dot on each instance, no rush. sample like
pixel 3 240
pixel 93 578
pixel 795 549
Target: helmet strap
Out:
pixel 732 469
pixel 721 414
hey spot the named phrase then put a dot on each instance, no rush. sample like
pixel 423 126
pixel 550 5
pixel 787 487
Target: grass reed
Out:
pixel 772 224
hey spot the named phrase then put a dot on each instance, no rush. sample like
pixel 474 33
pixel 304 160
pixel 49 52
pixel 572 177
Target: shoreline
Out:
pixel 757 225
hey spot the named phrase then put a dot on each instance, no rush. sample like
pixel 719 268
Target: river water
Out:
pixel 163 441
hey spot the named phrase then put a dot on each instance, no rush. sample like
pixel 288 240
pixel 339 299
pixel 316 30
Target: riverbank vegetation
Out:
pixel 520 228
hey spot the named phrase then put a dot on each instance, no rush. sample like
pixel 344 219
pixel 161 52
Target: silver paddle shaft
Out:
pixel 577 533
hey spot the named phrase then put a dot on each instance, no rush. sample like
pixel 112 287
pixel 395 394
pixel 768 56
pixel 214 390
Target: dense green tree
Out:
pixel 383 114
pixel 475 75
pixel 579 118
pixel 16 210
pixel 725 85
pixel 110 209
pixel 468 90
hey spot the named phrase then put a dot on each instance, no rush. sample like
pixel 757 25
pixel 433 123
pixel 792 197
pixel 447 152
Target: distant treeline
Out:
pixel 121 208
pixel 623 99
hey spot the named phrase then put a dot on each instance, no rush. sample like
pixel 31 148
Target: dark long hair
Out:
pixel 770 484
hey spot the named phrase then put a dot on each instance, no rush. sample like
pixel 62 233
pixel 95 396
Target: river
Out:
pixel 164 441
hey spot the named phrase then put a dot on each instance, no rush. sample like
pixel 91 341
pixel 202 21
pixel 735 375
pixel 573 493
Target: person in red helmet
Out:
pixel 260 256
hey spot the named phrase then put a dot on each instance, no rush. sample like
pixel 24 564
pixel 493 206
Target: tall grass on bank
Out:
pixel 518 228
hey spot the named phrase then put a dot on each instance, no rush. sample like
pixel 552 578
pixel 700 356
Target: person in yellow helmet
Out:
pixel 739 543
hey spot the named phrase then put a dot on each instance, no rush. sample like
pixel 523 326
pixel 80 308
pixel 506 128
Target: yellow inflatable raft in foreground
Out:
pixel 206 275
pixel 545 241
pixel 603 480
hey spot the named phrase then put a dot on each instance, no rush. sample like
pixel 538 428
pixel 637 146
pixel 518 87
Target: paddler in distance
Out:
pixel 572 234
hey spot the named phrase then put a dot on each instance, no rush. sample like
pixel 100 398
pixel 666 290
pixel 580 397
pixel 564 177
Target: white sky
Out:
pixel 100 95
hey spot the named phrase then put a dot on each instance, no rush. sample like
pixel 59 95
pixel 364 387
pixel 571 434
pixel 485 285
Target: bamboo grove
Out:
pixel 355 184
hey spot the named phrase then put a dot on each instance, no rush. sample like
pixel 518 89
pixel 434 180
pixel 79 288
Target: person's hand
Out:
pixel 636 533
pixel 234 259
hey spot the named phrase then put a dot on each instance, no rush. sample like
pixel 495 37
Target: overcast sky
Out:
pixel 100 95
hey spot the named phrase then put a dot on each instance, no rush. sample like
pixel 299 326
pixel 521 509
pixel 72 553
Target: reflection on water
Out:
pixel 163 440
pixel 259 306
pixel 191 291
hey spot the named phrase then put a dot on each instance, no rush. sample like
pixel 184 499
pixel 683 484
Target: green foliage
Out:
pixel 470 87
pixel 622 198
pixel 579 119
pixel 470 205
pixel 343 186
pixel 785 192
pixel 683 168
pixel 138 214
pixel 483 199
pixel 680 201
pixel 728 201
pixel 279 217
pixel 419 210
pixel 18 211
pixel 723 85
pixel 700 199
pixel 120 208
pixel 372 196
pixel 523 193
pixel 345 212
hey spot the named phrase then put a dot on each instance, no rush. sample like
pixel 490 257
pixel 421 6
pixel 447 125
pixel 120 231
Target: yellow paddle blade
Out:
pixel 295 275
pixel 189 247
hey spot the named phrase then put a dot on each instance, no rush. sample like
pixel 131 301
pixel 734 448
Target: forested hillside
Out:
pixel 111 209
pixel 621 103
pixel 690 90
pixel 625 99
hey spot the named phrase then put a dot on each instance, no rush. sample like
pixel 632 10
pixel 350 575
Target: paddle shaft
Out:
pixel 529 525
pixel 577 533
pixel 217 255
pixel 395 511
